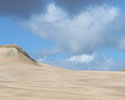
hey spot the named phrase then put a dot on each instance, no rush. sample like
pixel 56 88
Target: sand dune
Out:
pixel 23 79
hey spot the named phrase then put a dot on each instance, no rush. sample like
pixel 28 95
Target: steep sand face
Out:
pixel 12 55
pixel 23 79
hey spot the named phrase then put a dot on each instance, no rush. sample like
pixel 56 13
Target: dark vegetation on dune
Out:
pixel 123 70
pixel 18 49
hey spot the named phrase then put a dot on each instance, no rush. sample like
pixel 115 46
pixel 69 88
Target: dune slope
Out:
pixel 21 78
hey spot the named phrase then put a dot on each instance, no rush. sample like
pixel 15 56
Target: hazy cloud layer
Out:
pixel 20 8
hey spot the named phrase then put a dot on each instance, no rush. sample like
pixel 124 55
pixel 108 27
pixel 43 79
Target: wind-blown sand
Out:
pixel 23 79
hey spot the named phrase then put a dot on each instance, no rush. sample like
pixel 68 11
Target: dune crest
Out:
pixel 14 54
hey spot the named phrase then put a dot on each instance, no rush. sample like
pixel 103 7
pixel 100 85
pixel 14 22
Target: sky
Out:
pixel 73 34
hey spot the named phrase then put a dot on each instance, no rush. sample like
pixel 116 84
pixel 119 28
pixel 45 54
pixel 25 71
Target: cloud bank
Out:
pixel 76 6
pixel 20 8
pixel 84 33
pixel 26 8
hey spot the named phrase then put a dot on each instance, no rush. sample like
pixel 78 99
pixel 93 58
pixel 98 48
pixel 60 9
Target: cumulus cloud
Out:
pixel 83 33
pixel 84 58
pixel 20 8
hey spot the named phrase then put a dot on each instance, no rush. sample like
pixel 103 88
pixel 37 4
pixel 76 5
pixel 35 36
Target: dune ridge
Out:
pixel 23 79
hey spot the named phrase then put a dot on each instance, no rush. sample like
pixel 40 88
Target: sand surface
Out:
pixel 22 79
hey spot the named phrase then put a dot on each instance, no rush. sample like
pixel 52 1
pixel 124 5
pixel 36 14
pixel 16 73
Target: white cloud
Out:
pixel 95 62
pixel 81 34
pixel 40 59
pixel 84 58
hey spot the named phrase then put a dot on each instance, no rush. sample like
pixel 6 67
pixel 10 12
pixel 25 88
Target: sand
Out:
pixel 23 79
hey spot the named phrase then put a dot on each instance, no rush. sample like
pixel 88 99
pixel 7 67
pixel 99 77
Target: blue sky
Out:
pixel 80 35
pixel 12 33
